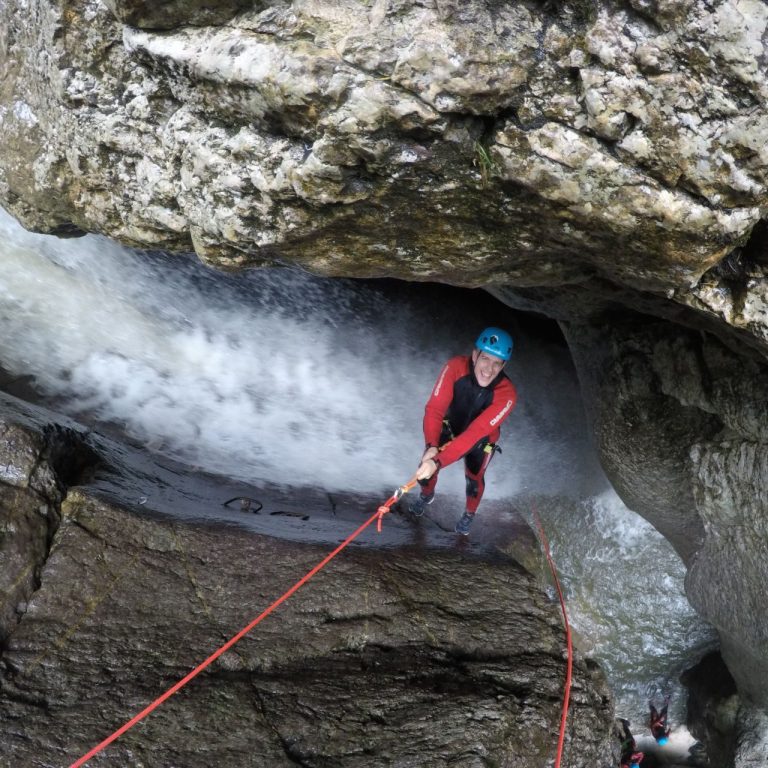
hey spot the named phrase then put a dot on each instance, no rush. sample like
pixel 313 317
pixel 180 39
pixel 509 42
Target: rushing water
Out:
pixel 624 589
pixel 277 376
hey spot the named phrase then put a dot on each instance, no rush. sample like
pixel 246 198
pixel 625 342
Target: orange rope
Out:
pixel 378 515
pixel 567 696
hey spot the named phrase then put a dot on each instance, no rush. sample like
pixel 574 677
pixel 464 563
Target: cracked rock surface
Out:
pixel 470 142
pixel 387 657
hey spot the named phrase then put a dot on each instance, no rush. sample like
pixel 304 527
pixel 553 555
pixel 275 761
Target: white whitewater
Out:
pixel 277 376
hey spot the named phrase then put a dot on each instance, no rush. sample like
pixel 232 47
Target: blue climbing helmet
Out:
pixel 495 342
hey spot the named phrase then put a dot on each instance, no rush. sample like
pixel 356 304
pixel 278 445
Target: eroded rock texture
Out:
pixel 473 142
pixel 386 658
pixel 681 426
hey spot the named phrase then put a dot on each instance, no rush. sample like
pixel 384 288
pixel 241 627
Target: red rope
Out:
pixel 567 696
pixel 384 508
pixel 378 515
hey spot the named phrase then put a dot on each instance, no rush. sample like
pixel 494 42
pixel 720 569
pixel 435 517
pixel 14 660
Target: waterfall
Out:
pixel 281 377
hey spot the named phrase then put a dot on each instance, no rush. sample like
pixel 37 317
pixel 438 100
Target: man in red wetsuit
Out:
pixel 633 760
pixel 657 722
pixel 469 402
pixel 630 756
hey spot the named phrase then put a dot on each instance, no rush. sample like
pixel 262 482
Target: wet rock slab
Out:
pixel 414 647
pixel 407 655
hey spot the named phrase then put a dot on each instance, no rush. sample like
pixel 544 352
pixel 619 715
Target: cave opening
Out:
pixel 279 375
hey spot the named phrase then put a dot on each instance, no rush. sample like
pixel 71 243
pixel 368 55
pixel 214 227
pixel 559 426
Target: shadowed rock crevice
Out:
pixel 68 455
pixel 713 705
pixel 38 469
pixel 169 14
pixel 755 250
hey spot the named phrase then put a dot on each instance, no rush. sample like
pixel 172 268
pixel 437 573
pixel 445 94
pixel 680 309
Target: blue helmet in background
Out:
pixel 495 342
pixel 662 741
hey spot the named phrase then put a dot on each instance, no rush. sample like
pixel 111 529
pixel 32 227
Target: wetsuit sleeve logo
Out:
pixel 439 384
pixel 501 414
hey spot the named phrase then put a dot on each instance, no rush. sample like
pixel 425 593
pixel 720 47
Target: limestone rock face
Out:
pixel 469 142
pixel 27 514
pixel 385 658
pixel 681 427
pixel 35 463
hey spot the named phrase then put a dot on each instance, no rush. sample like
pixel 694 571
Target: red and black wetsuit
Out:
pixel 629 754
pixel 657 721
pixel 466 419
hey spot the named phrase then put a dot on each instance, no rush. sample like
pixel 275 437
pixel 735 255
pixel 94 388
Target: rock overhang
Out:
pixel 466 143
